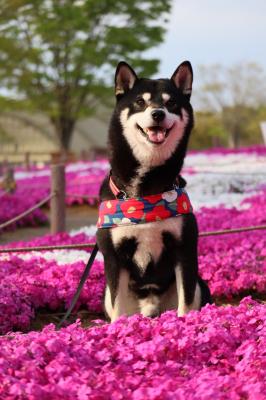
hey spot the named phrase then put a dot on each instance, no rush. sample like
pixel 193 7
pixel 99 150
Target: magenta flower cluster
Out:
pixel 11 205
pixel 234 264
pixel 37 283
pixel 218 353
pixel 83 181
pixel 16 311
pixel 82 187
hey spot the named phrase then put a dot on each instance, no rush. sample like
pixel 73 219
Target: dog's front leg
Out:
pixel 188 291
pixel 121 296
pixel 186 269
pixel 117 295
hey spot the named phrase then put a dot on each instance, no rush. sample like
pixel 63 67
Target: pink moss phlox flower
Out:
pixel 12 205
pixel 46 284
pixel 83 181
pixel 234 264
pixel 217 353
pixel 16 311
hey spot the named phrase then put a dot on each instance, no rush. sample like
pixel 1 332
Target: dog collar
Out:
pixel 121 194
pixel 139 210
pixel 116 192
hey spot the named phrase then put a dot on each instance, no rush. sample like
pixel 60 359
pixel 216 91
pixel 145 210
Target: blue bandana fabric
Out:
pixel 121 212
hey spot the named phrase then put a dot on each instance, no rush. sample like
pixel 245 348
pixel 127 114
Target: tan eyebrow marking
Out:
pixel 165 97
pixel 146 96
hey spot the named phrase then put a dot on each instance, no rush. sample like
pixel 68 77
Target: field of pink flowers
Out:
pixel 217 353
pixel 233 265
pixel 83 181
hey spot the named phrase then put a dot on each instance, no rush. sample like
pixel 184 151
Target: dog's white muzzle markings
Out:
pixel 163 138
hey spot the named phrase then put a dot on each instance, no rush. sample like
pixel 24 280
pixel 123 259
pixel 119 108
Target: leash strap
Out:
pixel 80 286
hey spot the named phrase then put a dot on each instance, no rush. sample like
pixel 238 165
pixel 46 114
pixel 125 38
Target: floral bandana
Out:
pixel 139 210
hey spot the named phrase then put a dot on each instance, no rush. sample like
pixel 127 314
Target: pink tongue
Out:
pixel 156 135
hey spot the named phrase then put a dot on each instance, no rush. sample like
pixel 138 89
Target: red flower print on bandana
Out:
pixel 183 204
pixel 139 210
pixel 132 208
pixel 157 214
pixel 154 198
pixel 108 206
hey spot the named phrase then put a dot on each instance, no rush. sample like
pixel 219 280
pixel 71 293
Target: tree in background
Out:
pixel 208 131
pixel 58 56
pixel 235 96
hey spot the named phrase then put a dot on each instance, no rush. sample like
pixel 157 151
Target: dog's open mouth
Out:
pixel 155 134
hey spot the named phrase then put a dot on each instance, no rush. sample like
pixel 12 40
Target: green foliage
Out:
pixel 213 129
pixel 59 55
pixel 208 131
pixel 236 99
pixel 253 129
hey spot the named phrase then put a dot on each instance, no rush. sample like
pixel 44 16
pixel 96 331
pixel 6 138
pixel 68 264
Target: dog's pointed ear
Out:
pixel 125 77
pixel 183 78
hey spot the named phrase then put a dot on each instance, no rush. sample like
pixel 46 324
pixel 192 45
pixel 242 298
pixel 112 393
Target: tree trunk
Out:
pixel 64 127
pixel 234 140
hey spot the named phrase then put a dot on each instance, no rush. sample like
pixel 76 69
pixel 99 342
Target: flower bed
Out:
pixel 83 180
pixel 233 265
pixel 11 205
pixel 215 186
pixel 218 353
pixel 82 186
pixel 215 179
pixel 16 311
pixel 43 283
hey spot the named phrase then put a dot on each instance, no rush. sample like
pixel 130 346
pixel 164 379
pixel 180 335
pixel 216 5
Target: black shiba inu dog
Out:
pixel 150 267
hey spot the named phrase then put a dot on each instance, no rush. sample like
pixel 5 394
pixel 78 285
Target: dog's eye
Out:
pixel 140 102
pixel 171 103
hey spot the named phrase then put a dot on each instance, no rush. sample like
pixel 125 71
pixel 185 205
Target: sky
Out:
pixel 213 31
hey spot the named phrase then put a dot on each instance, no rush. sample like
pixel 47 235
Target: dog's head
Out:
pixel 153 114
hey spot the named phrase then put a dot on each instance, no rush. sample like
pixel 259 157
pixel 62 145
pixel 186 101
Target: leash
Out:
pixel 80 286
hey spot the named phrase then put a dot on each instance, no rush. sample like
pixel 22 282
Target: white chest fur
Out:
pixel 149 238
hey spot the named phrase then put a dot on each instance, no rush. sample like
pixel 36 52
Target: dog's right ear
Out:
pixel 125 77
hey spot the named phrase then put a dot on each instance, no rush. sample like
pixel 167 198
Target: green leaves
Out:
pixel 60 55
pixel 235 99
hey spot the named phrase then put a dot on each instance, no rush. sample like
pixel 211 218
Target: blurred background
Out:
pixel 58 58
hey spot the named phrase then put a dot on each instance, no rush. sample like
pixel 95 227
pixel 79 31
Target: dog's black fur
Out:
pixel 158 276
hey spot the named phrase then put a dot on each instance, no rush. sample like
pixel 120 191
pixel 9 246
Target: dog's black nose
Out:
pixel 158 115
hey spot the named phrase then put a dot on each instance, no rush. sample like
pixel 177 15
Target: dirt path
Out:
pixel 76 217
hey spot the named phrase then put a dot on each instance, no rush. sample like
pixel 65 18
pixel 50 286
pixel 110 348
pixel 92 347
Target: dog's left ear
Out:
pixel 125 77
pixel 183 78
